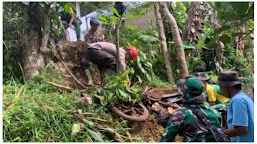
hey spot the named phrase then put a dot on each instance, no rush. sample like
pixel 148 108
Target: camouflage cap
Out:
pixel 194 86
pixel 194 91
pixel 181 84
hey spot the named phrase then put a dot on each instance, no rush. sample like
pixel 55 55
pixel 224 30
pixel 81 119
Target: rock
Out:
pixel 170 110
pixel 156 107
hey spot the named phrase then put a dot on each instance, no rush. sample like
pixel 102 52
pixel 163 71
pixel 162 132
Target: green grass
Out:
pixel 41 114
pixel 159 83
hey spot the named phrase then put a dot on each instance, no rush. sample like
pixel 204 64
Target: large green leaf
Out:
pixel 225 38
pixel 217 31
pixel 96 135
pixel 148 38
pixel 126 72
pixel 251 9
pixel 149 78
pixel 171 42
pixel 129 27
pixel 139 79
pixel 160 58
pixel 115 19
pixel 188 45
pixel 241 7
pixel 134 17
pixel 103 19
pixel 124 95
pixel 212 44
pixel 115 11
pixel 200 43
pixel 67 8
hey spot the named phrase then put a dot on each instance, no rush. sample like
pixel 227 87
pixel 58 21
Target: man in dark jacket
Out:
pixel 104 55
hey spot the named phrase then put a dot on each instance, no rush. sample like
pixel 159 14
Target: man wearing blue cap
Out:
pixel 94 34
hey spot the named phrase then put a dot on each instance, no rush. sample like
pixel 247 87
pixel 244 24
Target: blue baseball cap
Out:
pixel 94 20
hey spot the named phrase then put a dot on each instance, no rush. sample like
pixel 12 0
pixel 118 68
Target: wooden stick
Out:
pixel 19 93
pixel 61 86
pixel 73 75
pixel 9 106
pixel 65 87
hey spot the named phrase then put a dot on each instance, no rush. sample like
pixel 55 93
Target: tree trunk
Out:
pixel 110 34
pixel 178 42
pixel 251 39
pixel 117 45
pixel 195 22
pixel 45 12
pixel 33 58
pixel 215 23
pixel 241 40
pixel 148 18
pixel 163 43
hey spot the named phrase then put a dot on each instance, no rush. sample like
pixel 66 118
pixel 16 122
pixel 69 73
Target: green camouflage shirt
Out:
pixel 185 123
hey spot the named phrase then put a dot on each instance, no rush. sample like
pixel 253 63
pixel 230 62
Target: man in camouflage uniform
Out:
pixel 185 122
pixel 94 34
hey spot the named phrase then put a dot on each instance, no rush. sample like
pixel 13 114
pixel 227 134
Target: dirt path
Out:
pixel 148 130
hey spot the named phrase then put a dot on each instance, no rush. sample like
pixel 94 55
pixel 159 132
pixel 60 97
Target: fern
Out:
pixel 148 39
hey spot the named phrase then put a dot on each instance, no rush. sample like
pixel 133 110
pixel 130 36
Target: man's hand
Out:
pixel 64 22
pixel 70 25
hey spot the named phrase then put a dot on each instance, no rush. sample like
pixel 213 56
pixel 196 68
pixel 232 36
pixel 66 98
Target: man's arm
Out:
pixel 102 36
pixel 87 39
pixel 72 19
pixel 239 118
pixel 235 131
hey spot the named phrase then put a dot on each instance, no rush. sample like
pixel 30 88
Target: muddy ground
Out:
pixel 150 131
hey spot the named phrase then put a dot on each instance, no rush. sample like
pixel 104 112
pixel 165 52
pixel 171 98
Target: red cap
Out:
pixel 133 52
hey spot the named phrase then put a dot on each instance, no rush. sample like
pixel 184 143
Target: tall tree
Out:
pixel 177 39
pixel 195 22
pixel 220 45
pixel 33 57
pixel 163 43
